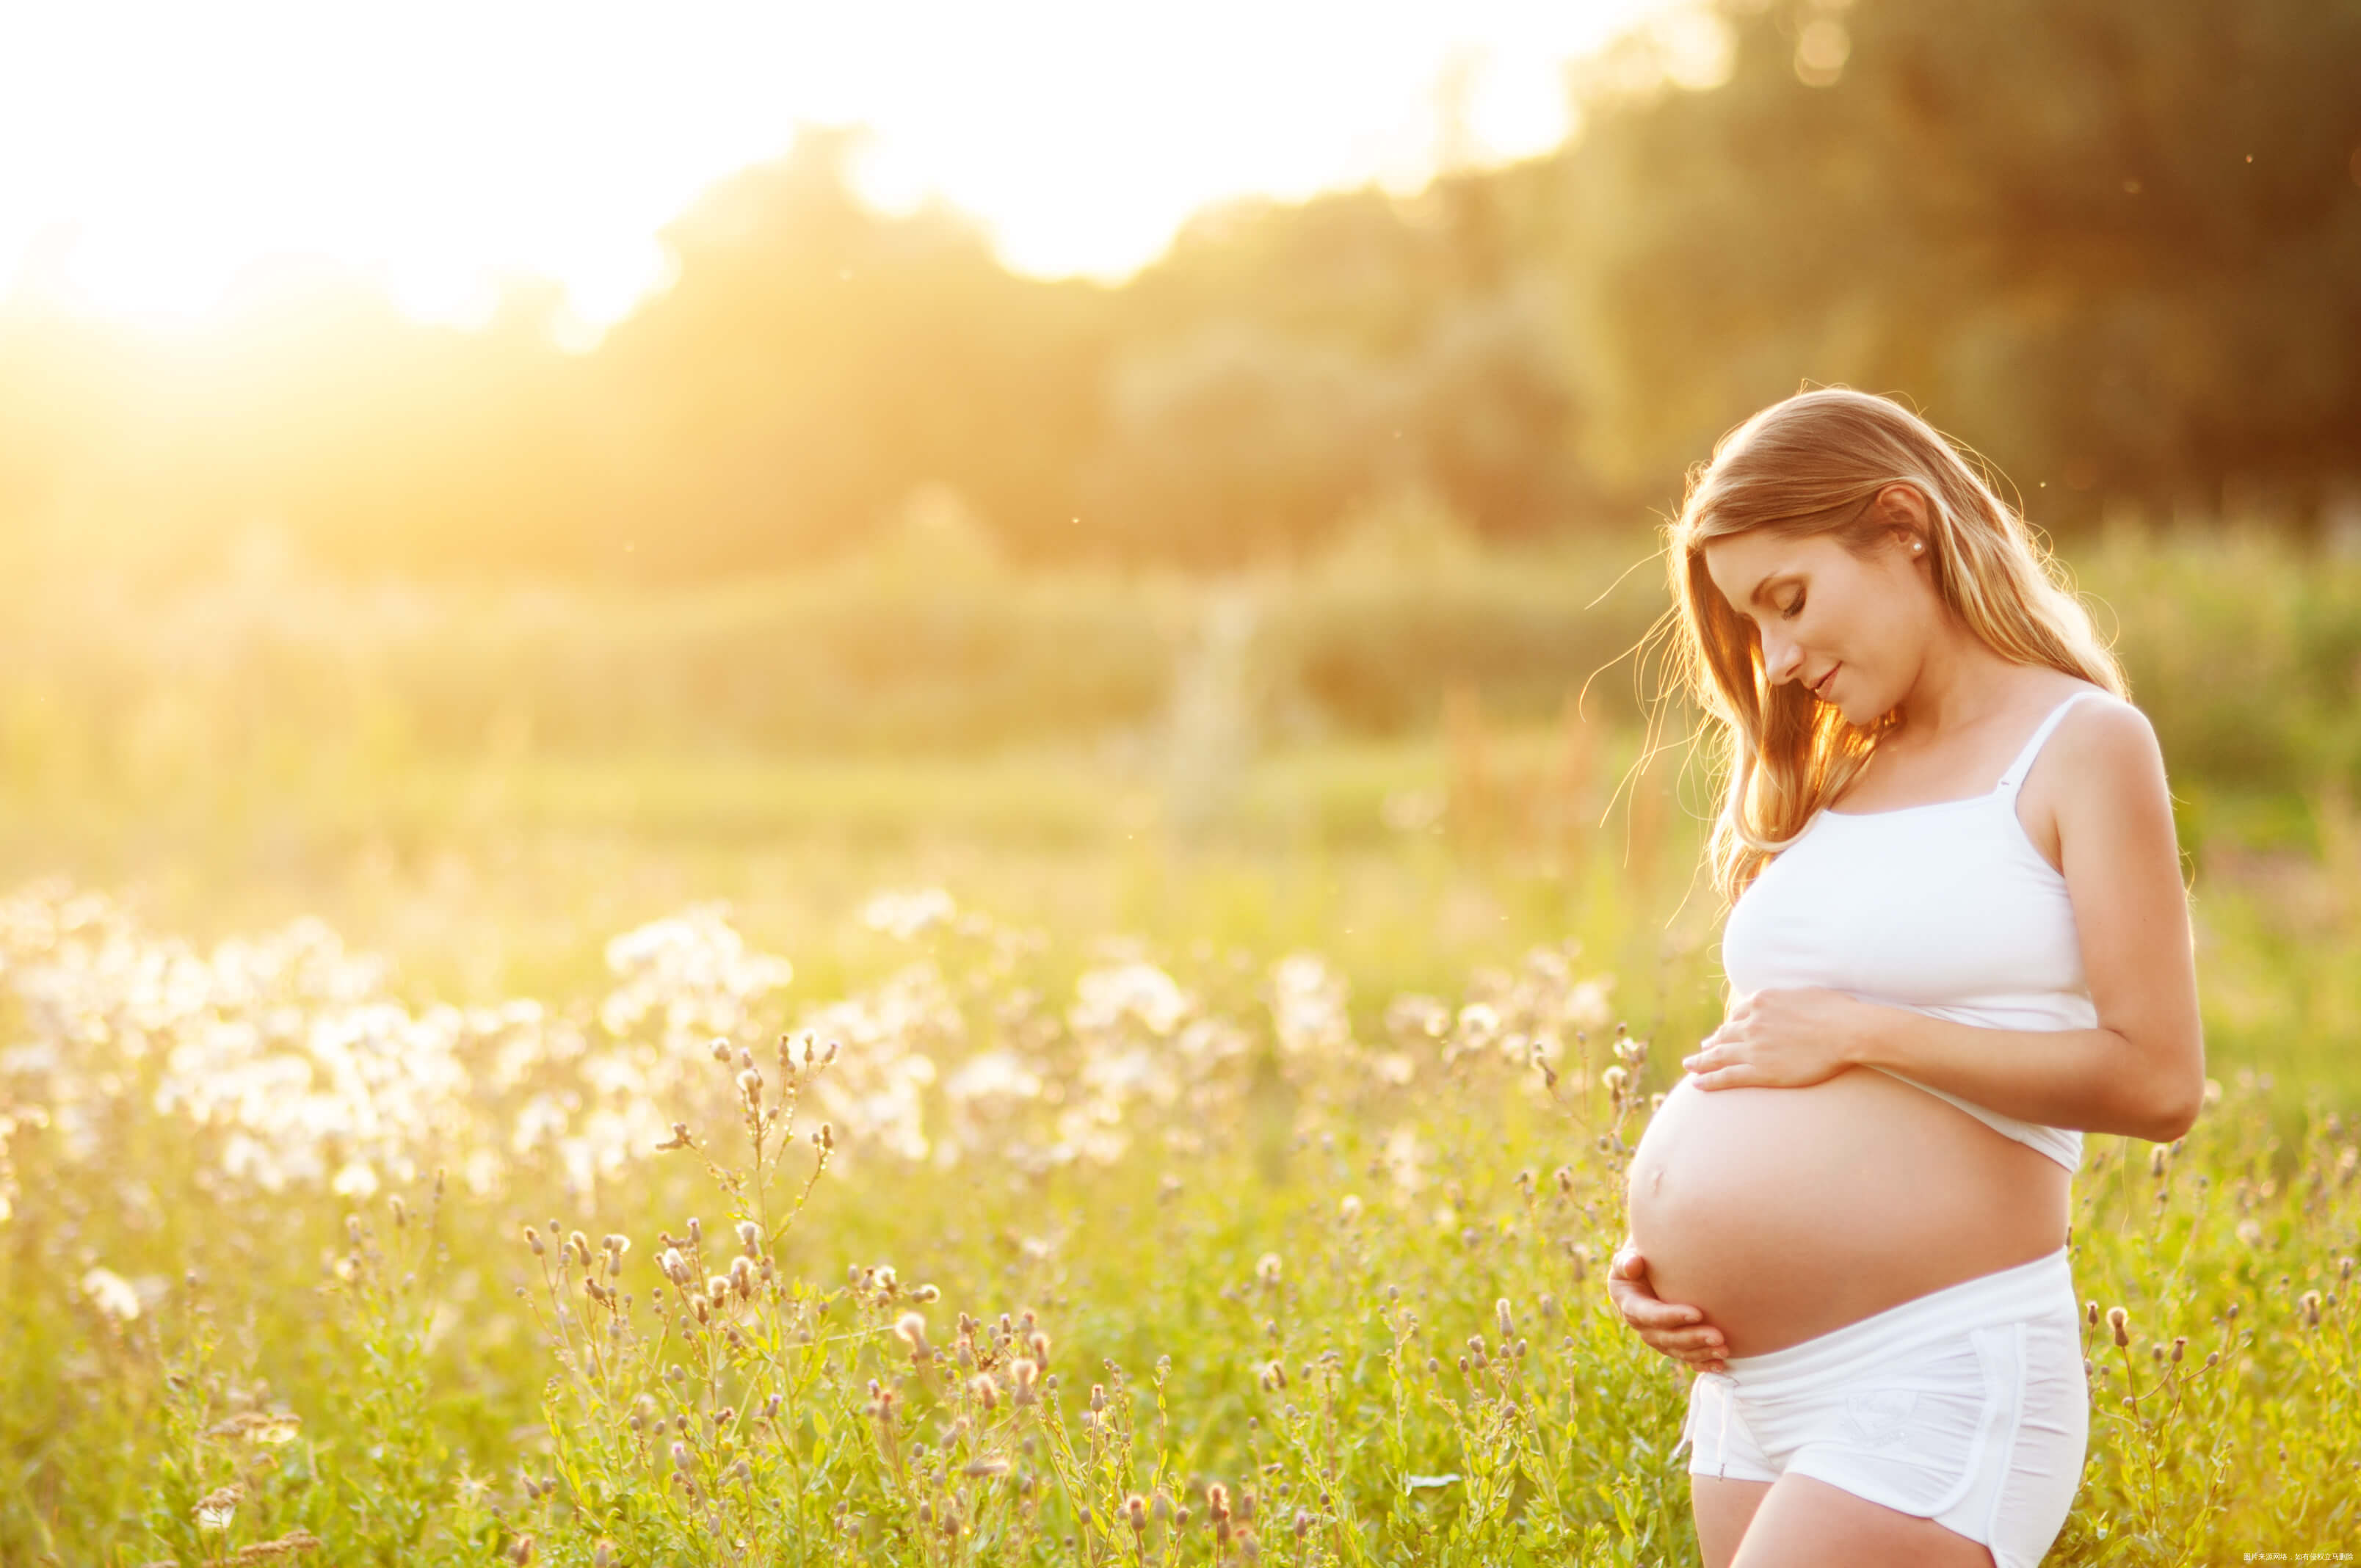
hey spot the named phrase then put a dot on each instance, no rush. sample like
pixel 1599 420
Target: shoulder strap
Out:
pixel 2011 781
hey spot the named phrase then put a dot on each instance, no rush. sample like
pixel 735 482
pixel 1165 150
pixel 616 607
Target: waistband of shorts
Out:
pixel 2029 1290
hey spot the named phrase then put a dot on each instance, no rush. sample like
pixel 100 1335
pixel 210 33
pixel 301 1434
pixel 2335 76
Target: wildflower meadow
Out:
pixel 1018 1247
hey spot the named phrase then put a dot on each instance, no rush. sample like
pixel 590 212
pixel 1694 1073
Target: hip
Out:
pixel 1969 1405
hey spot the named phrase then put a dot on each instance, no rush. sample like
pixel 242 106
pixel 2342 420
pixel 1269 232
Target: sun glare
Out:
pixel 438 147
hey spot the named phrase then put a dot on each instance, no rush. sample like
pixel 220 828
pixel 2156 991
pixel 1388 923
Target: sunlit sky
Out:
pixel 149 153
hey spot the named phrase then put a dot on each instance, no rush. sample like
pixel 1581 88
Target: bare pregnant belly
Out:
pixel 1783 1213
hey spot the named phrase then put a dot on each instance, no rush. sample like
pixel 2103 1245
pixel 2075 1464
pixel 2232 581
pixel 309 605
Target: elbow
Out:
pixel 2169 1126
pixel 2165 1088
pixel 2173 1116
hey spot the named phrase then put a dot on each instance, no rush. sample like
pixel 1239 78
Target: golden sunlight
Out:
pixel 437 147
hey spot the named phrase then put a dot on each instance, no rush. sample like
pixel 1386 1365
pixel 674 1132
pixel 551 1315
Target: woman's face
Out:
pixel 1853 632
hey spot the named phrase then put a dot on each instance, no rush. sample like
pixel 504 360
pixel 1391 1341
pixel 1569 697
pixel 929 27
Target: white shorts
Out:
pixel 1968 1405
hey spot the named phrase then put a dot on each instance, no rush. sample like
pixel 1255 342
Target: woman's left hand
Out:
pixel 1783 1038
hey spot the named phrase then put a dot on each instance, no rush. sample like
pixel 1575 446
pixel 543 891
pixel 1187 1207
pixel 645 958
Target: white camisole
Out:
pixel 1945 908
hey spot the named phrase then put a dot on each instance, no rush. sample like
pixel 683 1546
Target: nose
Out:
pixel 1782 660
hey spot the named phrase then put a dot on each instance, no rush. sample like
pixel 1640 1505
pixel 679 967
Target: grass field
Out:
pixel 1288 1124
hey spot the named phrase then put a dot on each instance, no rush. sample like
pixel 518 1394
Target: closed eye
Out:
pixel 1793 610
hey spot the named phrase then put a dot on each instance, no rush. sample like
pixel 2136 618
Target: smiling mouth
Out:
pixel 1821 689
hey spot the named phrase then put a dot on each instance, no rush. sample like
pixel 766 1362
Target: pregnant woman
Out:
pixel 1851 1216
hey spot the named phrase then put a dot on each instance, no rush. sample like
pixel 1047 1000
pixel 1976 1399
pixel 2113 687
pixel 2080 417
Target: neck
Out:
pixel 1961 684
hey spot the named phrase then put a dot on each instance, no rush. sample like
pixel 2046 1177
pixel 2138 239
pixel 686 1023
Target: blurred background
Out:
pixel 488 475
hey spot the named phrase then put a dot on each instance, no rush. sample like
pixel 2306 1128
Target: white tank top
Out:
pixel 1945 908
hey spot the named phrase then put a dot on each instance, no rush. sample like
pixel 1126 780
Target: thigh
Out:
pixel 1723 1510
pixel 1806 1523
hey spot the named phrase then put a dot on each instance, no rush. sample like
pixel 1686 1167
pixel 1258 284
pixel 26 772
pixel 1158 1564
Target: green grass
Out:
pixel 440 1418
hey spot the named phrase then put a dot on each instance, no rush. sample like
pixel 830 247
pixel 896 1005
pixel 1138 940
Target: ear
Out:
pixel 1904 504
pixel 1905 513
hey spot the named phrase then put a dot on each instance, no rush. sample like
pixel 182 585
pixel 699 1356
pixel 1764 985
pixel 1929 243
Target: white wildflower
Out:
pixel 111 1294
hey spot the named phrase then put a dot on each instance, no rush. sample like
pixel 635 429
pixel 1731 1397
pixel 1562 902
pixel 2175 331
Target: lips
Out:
pixel 1821 689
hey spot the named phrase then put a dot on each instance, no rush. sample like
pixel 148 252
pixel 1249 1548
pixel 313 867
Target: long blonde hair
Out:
pixel 1809 464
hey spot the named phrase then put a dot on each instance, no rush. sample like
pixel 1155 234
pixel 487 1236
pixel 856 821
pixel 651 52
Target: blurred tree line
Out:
pixel 2117 249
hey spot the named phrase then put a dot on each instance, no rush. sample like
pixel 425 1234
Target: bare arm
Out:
pixel 2142 1071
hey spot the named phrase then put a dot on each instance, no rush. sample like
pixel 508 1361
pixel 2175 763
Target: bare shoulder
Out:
pixel 2099 785
pixel 2107 792
pixel 2110 741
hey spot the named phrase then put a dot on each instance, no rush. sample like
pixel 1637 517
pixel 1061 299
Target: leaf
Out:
pixel 1428 1482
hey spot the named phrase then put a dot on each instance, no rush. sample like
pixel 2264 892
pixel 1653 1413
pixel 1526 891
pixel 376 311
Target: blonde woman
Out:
pixel 1958 940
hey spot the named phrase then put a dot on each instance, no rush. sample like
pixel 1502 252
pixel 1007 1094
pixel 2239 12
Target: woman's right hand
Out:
pixel 1677 1331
